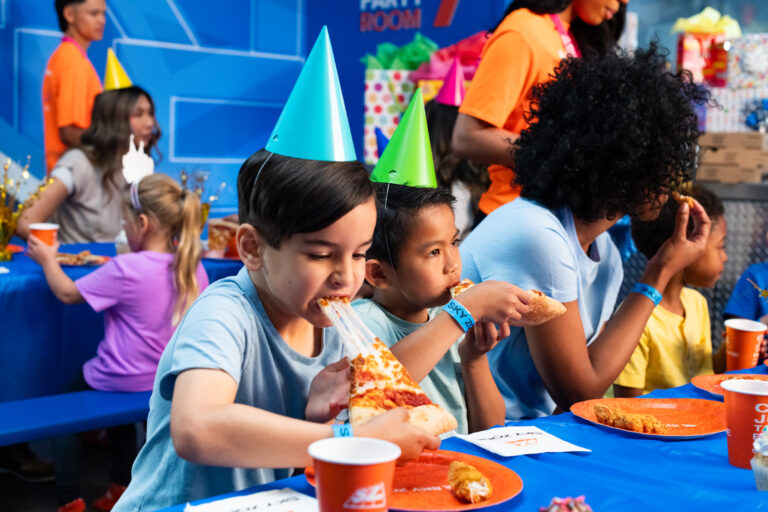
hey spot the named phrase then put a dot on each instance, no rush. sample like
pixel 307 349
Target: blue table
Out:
pixel 43 343
pixel 622 473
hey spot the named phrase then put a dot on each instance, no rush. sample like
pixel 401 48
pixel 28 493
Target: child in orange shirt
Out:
pixel 70 83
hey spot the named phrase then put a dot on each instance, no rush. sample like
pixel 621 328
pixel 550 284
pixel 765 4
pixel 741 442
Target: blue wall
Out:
pixel 218 76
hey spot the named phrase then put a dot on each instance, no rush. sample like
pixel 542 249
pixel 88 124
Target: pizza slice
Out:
pixel 541 309
pixel 379 382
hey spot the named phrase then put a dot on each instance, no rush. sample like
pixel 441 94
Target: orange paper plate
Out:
pixel 422 484
pixel 711 383
pixel 13 248
pixel 685 418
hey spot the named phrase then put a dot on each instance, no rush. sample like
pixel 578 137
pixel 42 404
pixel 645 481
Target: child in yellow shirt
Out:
pixel 676 344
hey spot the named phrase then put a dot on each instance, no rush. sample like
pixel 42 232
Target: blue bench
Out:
pixel 69 413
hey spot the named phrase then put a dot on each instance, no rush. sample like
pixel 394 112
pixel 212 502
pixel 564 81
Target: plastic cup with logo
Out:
pixel 353 473
pixel 742 340
pixel 746 413
pixel 44 231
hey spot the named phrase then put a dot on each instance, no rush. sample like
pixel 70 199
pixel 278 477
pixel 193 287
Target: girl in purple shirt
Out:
pixel 143 294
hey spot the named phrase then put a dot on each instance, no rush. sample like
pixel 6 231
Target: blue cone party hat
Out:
pixel 408 157
pixel 314 124
pixel 381 140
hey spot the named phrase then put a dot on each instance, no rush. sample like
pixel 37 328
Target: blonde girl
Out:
pixel 143 294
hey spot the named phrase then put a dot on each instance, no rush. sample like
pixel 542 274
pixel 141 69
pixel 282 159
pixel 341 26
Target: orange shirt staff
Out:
pixel 523 51
pixel 71 83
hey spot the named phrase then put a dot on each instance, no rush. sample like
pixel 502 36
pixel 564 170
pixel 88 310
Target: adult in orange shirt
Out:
pixel 71 83
pixel 525 47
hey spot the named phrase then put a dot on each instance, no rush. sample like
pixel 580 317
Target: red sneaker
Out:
pixel 77 505
pixel 106 502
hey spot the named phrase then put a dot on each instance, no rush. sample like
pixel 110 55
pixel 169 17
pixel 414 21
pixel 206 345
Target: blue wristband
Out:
pixel 460 314
pixel 649 291
pixel 342 430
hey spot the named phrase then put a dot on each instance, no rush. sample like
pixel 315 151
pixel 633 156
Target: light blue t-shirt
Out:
pixel 443 385
pixel 228 329
pixel 745 301
pixel 536 248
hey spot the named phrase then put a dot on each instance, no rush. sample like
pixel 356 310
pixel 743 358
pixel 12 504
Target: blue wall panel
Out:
pixel 218 73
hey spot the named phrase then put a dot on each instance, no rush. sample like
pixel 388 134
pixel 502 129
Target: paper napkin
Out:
pixel 280 500
pixel 511 441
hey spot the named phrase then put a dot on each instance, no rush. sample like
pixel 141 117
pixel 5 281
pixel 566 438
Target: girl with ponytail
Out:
pixel 144 294
pixel 524 48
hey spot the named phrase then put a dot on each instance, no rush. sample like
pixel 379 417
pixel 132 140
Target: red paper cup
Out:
pixel 742 340
pixel 44 231
pixel 746 413
pixel 354 473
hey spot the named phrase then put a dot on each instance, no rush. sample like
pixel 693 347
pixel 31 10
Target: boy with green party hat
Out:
pixel 255 372
pixel 412 263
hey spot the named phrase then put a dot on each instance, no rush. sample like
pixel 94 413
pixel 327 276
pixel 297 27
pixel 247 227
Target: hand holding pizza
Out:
pixel 393 426
pixel 683 248
pixel 496 302
pixel 328 392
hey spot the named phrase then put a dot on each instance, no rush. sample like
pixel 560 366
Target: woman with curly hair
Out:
pixel 610 135
pixel 527 44
pixel 84 198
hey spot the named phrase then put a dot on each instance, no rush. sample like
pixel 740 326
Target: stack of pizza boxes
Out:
pixel 734 157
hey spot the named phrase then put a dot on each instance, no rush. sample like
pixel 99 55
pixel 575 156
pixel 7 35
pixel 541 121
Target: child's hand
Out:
pixel 329 392
pixel 496 302
pixel 40 252
pixel 682 249
pixel 480 339
pixel 393 426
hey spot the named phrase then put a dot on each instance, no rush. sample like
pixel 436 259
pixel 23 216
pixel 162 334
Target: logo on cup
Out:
pixel 366 498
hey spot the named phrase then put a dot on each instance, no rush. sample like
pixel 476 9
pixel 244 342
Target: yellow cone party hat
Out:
pixel 115 76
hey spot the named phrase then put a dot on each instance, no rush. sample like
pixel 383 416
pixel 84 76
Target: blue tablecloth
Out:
pixel 43 343
pixel 622 473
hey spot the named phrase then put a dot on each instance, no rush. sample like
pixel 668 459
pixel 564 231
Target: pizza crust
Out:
pixel 542 309
pixel 432 418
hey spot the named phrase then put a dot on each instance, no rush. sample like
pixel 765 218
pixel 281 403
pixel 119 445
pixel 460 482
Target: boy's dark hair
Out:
pixel 393 221
pixel 650 235
pixel 60 5
pixel 449 167
pixel 608 134
pixel 293 195
pixel 591 39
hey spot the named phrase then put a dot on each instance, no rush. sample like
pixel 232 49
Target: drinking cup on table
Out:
pixel 353 473
pixel 44 231
pixel 746 413
pixel 742 338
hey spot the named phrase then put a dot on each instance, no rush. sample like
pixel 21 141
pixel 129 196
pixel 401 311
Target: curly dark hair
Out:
pixel 591 39
pixel 650 235
pixel 608 133
pixel 449 167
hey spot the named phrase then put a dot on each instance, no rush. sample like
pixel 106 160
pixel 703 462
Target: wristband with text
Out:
pixel 649 291
pixel 342 430
pixel 460 314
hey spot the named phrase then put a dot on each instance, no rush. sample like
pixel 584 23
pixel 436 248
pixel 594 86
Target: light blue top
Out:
pixel 536 248
pixel 228 329
pixel 443 385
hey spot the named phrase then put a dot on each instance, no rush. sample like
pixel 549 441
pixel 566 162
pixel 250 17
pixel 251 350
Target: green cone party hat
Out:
pixel 407 159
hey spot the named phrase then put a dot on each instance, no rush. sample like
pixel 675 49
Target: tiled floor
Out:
pixel 20 496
